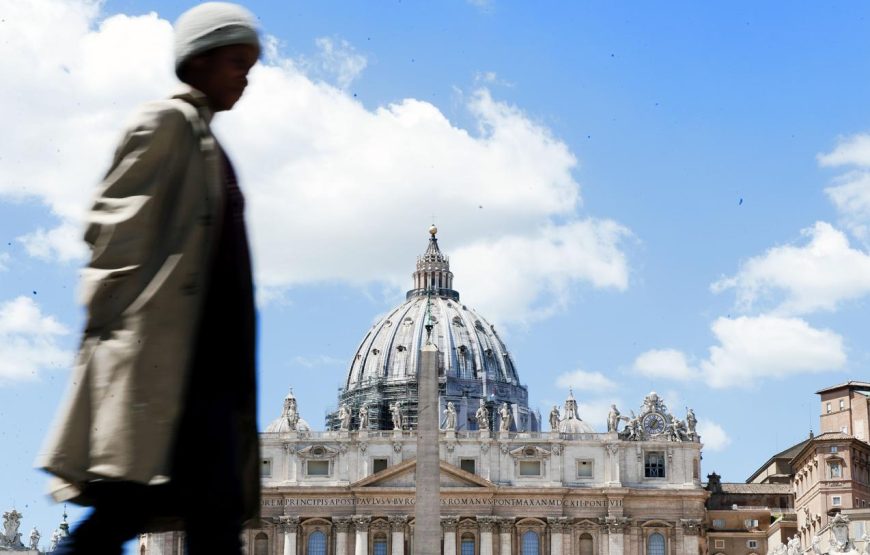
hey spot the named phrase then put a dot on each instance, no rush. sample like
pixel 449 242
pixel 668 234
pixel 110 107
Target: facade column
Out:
pixel 361 524
pixel 397 529
pixel 486 524
pixel 557 528
pixel 691 530
pixel 448 524
pixel 342 525
pixel 506 529
pixel 289 526
pixel 616 526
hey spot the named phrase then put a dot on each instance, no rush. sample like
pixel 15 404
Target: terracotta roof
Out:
pixel 741 488
pixel 851 384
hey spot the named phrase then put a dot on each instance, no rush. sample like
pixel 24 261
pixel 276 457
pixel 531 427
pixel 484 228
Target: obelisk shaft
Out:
pixel 427 527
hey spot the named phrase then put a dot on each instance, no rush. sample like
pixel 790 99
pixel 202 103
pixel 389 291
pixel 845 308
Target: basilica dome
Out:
pixel 474 362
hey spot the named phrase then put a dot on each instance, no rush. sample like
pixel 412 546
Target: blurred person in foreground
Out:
pixel 158 430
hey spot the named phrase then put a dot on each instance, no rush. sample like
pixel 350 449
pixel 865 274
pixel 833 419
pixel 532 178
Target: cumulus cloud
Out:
pixel 851 151
pixel 5 259
pixel 752 349
pixel 336 192
pixel 819 275
pixel 665 363
pixel 714 437
pixel 29 341
pixel 585 382
pixel 851 197
pixel 336 60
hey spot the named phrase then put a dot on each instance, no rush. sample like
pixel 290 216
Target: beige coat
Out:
pixel 151 229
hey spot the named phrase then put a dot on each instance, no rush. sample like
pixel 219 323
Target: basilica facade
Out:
pixel 511 483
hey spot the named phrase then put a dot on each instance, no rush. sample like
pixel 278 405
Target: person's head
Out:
pixel 216 44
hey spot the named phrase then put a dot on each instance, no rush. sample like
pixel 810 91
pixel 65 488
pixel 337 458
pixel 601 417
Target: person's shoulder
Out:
pixel 162 116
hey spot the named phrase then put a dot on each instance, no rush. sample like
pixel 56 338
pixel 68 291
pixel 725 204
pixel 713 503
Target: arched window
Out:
pixel 261 544
pixel 586 545
pixel 655 544
pixel 467 545
pixel 379 545
pixel 317 543
pixel 530 543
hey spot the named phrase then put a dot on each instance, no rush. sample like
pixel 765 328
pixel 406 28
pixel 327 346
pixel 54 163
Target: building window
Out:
pixel 317 468
pixel 845 429
pixel 718 544
pixel 718 523
pixel 266 468
pixel 261 544
pixel 530 543
pixel 467 545
pixel 842 404
pixel 655 544
pixel 654 465
pixel 750 523
pixel 379 546
pixel 586 545
pixel 836 500
pixel 530 468
pixel 378 465
pixel 752 544
pixel 833 448
pixel 468 465
pixel 317 543
pixel 836 471
pixel 828 408
pixel 584 469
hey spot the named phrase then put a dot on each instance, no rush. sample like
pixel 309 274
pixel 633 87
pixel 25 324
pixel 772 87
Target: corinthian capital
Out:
pixel 361 522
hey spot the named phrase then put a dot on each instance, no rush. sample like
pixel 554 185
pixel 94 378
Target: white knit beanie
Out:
pixel 212 25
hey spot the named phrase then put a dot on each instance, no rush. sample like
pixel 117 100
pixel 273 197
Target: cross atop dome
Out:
pixel 433 275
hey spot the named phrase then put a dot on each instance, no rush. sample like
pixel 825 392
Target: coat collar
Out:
pixel 196 98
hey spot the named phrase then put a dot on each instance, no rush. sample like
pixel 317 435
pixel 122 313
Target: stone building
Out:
pixel 506 486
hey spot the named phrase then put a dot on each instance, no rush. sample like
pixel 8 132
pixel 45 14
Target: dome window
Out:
pixel 463 349
pixel 387 323
pixel 375 351
pixel 407 321
pixel 457 321
pixel 488 352
pixel 401 348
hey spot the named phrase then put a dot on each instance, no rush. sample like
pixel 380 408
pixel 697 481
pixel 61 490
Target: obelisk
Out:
pixel 427 512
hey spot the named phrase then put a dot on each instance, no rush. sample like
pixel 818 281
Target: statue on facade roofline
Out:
pixel 396 414
pixel 11 522
pixel 613 419
pixel 691 422
pixel 482 416
pixel 505 413
pixel 344 415
pixel 450 417
pixel 363 417
pixel 555 419
pixel 34 538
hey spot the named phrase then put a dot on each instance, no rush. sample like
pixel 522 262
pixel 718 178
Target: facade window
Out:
pixel 530 468
pixel 654 465
pixel 836 471
pixel 261 544
pixel 845 429
pixel 379 546
pixel 531 543
pixel 584 469
pixel 378 465
pixel 718 523
pixel 468 465
pixel 586 545
pixel 842 404
pixel 317 543
pixel 750 523
pixel 467 545
pixel 317 468
pixel 833 448
pixel 718 544
pixel 828 408
pixel 266 468
pixel 655 544
pixel 752 544
pixel 836 500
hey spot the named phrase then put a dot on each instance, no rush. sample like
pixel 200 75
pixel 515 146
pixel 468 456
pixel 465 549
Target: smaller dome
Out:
pixel 289 421
pixel 573 424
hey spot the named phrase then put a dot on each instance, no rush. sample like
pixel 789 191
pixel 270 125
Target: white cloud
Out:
pixel 852 198
pixel 665 363
pixel 850 151
pixel 5 259
pixel 752 349
pixel 713 436
pixel 820 275
pixel 336 192
pixel 62 243
pixel 585 382
pixel 336 60
pixel 28 341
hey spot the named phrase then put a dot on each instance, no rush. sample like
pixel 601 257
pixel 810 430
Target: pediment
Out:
pixel 404 475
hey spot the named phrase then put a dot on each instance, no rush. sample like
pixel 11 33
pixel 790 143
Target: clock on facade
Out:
pixel 653 423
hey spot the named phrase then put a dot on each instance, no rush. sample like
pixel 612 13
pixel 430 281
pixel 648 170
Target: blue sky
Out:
pixel 670 196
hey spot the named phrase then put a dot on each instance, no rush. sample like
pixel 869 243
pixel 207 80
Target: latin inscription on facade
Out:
pixel 554 502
